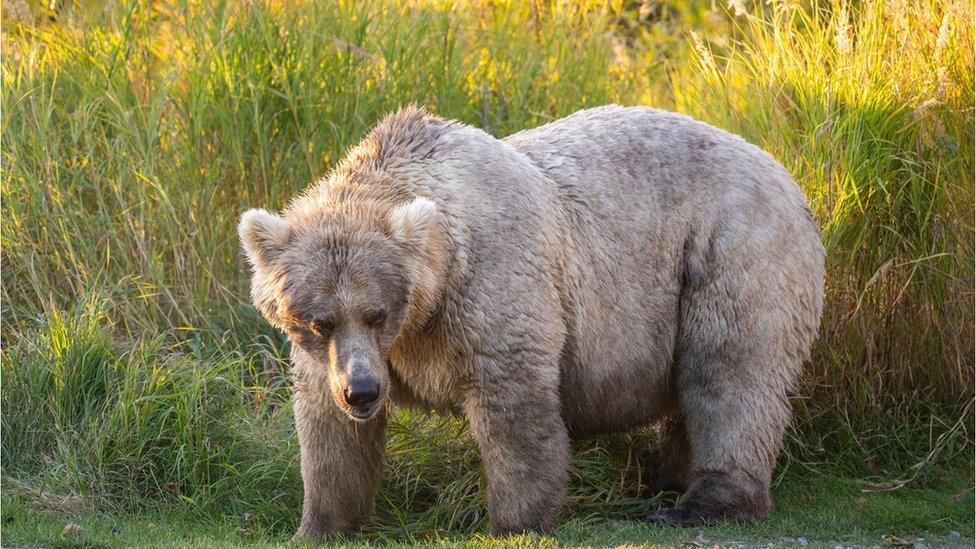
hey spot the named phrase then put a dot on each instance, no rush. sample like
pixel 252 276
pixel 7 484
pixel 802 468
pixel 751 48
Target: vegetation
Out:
pixel 137 379
pixel 819 511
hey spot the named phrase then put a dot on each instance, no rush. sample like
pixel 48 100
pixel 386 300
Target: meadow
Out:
pixel 140 388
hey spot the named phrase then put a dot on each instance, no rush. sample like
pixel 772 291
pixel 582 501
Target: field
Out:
pixel 145 399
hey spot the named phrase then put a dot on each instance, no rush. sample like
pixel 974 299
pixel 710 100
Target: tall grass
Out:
pixel 135 373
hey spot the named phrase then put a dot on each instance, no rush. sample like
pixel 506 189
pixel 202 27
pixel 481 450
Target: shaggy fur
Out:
pixel 612 269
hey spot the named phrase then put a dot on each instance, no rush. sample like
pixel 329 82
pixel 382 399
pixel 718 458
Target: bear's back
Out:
pixel 650 196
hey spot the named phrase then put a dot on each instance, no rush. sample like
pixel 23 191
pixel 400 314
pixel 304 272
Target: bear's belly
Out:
pixel 612 398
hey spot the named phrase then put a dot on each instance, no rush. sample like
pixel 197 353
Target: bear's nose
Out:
pixel 362 392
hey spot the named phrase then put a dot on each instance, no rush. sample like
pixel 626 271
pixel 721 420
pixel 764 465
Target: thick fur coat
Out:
pixel 613 269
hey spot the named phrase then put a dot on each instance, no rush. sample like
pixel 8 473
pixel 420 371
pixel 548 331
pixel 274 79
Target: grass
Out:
pixel 138 381
pixel 817 510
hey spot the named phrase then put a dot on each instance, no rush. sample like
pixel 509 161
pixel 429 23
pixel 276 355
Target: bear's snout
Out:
pixel 362 392
pixel 360 381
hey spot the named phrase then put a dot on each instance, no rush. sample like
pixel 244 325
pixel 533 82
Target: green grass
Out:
pixel 138 381
pixel 822 510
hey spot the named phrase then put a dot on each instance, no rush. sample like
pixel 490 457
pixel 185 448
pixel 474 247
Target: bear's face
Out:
pixel 344 305
pixel 342 289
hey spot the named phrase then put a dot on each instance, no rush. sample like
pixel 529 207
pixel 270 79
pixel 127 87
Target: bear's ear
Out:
pixel 263 235
pixel 413 221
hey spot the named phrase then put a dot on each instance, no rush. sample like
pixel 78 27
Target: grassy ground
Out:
pixel 136 377
pixel 818 510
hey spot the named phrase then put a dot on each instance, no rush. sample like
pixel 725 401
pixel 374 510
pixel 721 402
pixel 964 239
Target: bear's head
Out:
pixel 344 285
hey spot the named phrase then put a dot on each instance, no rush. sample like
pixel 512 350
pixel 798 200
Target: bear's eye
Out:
pixel 322 328
pixel 375 318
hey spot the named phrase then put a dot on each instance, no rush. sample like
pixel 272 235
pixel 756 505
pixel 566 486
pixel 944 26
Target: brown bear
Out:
pixel 609 270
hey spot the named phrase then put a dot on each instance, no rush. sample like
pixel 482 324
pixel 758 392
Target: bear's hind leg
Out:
pixel 735 423
pixel 738 355
pixel 670 464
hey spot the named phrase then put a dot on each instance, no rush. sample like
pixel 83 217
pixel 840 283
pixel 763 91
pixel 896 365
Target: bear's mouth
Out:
pixel 365 413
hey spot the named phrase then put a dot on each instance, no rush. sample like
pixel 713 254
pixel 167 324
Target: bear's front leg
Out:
pixel 341 461
pixel 524 445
